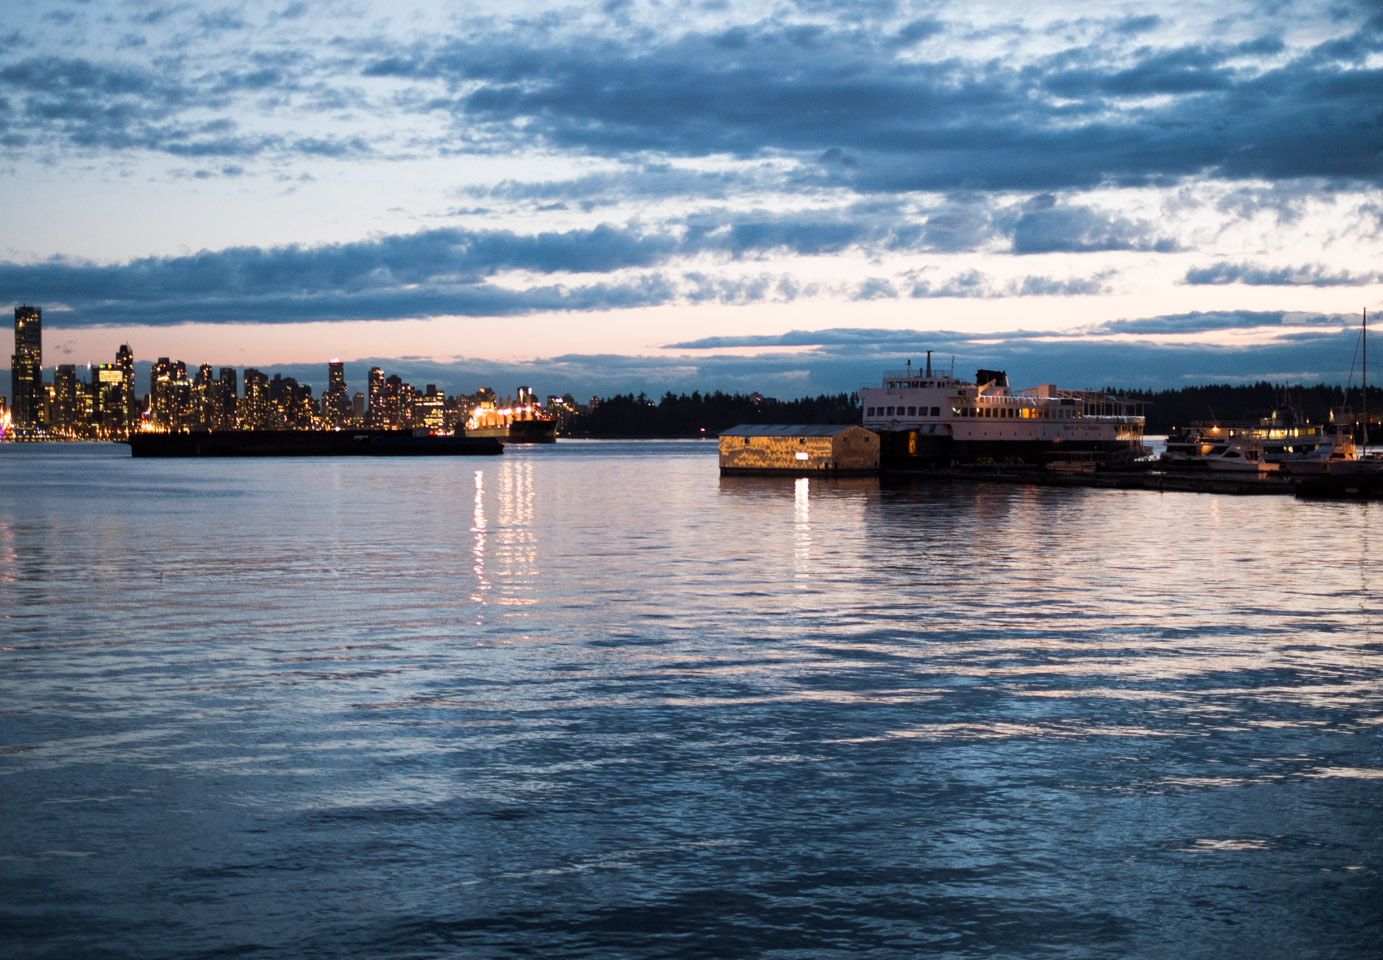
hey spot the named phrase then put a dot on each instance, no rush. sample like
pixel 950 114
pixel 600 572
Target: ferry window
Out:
pixel 746 441
pixel 936 411
pixel 912 411
pixel 889 413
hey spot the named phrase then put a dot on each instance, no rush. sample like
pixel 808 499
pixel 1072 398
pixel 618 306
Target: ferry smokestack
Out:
pixel 929 363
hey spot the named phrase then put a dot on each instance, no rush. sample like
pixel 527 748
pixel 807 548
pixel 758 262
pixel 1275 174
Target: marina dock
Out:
pixel 1153 476
pixel 1129 477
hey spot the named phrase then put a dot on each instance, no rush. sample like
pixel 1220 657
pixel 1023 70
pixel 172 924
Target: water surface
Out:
pixel 593 700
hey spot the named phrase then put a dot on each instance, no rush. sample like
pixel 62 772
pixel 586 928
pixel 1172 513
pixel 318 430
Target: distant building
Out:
pixel 107 418
pixel 228 399
pixel 26 368
pixel 254 405
pixel 803 449
pixel 336 401
pixel 65 412
pixel 374 415
pixel 124 359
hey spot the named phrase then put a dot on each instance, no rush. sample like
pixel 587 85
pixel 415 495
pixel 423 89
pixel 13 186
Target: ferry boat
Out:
pixel 926 418
pixel 518 423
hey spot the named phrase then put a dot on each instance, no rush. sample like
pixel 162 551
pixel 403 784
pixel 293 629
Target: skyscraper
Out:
pixel 26 368
pixel 108 400
pixel 228 398
pixel 124 359
pixel 254 409
pixel 64 414
pixel 375 415
pixel 336 402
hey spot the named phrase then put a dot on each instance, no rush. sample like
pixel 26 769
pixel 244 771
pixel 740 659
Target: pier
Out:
pixel 1126 477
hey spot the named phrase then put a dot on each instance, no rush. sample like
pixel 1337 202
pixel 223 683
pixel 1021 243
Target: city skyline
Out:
pixel 108 405
pixel 787 197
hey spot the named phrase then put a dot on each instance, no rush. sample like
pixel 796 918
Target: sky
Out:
pixel 636 196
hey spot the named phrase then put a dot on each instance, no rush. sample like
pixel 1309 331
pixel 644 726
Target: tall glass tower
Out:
pixel 26 368
pixel 124 359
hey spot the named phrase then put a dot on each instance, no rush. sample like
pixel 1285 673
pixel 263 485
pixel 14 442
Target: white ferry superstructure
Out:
pixel 927 418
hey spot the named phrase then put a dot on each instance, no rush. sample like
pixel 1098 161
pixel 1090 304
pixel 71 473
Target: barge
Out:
pixel 310 443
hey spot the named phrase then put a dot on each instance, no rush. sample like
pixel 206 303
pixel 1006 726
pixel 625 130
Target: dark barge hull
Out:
pixel 908 450
pixel 309 443
pixel 1330 487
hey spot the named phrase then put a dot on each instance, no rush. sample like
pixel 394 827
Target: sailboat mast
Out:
pixel 1365 402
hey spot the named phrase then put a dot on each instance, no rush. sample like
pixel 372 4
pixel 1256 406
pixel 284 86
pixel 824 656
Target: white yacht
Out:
pixel 1272 444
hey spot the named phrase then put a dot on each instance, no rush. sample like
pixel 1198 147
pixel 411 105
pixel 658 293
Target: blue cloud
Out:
pixel 877 116
pixel 1303 275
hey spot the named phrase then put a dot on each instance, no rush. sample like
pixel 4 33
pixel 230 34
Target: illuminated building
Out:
pixel 108 407
pixel 170 395
pixel 429 410
pixel 374 416
pixel 254 406
pixel 205 399
pixel 798 449
pixel 291 406
pixel 124 359
pixel 336 402
pixel 26 368
pixel 226 420
pixel 64 414
pixel 387 409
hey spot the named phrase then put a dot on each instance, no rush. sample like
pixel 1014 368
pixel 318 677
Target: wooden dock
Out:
pixel 1131 477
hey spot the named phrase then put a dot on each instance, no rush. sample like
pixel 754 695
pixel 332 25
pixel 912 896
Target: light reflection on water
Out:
pixel 594 700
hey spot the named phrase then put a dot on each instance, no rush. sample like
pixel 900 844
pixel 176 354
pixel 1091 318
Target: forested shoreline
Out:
pixel 706 414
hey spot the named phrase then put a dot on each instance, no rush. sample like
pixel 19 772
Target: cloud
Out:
pixel 1254 275
pixel 1052 229
pixel 900 106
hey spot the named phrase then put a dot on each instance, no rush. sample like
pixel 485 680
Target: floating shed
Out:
pixel 811 448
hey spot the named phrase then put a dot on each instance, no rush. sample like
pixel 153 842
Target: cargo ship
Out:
pixel 310 443
pixel 928 418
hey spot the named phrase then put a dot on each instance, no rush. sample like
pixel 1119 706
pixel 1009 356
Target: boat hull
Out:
pixel 912 450
pixel 308 443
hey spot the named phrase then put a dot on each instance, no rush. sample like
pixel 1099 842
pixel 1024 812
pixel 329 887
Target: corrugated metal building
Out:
pixel 811 448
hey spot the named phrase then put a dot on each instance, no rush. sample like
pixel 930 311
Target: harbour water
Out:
pixel 593 700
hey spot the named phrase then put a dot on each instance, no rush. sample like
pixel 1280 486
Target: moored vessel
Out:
pixel 518 423
pixel 309 443
pixel 1275 443
pixel 926 418
pixel 518 431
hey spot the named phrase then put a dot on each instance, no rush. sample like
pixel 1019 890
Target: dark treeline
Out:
pixel 1225 402
pixel 680 415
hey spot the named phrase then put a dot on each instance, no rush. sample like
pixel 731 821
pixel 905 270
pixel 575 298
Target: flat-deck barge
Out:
pixel 310 443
